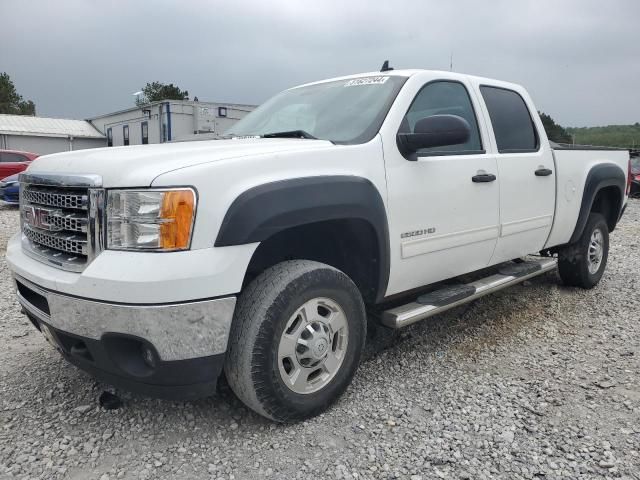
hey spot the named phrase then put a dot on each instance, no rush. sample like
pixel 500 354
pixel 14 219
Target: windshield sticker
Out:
pixel 366 81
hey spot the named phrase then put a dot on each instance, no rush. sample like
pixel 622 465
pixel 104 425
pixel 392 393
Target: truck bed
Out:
pixel 573 164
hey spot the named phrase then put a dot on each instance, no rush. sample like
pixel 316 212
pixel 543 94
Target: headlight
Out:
pixel 156 220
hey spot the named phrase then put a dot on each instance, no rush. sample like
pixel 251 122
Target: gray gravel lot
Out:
pixel 539 381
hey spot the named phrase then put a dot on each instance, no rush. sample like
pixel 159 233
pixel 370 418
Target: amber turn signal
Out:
pixel 176 214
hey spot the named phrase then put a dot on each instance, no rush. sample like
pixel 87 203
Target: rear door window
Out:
pixel 511 120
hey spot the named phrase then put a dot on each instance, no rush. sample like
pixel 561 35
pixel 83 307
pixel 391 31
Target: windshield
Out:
pixel 343 111
pixel 635 164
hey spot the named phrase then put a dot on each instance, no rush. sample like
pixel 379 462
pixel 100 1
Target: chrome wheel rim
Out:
pixel 313 345
pixel 596 251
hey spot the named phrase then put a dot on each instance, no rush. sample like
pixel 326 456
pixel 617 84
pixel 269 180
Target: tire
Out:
pixel 267 342
pixel 577 264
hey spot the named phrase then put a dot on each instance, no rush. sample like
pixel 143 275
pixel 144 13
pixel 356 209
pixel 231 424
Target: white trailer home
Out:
pixel 167 120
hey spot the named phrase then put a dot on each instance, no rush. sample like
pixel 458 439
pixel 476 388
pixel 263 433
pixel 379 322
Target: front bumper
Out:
pixel 121 277
pixel 186 341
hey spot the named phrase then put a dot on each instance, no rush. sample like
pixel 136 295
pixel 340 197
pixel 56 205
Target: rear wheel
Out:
pixel 296 341
pixel 583 264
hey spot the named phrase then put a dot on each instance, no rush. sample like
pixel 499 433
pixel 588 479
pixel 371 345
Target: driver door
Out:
pixel 443 203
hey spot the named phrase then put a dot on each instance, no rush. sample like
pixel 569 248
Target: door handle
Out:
pixel 483 178
pixel 543 172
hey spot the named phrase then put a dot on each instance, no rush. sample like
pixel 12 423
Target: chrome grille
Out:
pixel 70 222
pixel 40 196
pixel 58 240
pixel 62 218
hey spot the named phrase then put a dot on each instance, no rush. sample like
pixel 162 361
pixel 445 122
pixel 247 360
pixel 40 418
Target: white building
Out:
pixel 168 120
pixel 47 135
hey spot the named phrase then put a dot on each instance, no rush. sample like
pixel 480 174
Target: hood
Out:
pixel 137 166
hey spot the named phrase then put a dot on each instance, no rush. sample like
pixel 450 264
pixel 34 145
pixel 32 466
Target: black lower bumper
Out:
pixel 118 360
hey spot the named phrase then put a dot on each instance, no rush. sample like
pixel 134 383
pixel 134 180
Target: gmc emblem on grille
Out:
pixel 38 217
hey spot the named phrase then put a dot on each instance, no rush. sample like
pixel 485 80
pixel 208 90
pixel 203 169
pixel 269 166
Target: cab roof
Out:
pixel 415 71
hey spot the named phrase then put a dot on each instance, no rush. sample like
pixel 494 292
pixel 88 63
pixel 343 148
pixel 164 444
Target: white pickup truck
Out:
pixel 158 267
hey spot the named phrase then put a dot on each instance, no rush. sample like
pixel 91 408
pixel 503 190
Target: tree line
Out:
pixel 619 136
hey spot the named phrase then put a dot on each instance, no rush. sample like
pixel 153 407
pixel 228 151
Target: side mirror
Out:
pixel 434 131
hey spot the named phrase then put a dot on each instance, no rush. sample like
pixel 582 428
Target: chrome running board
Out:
pixel 436 302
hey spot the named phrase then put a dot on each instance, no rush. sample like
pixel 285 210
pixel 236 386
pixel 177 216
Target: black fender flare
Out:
pixel 600 176
pixel 267 209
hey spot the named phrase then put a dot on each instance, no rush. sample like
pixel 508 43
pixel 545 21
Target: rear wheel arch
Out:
pixel 603 193
pixel 337 220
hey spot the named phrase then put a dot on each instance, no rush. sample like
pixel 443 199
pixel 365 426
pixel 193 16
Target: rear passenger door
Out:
pixel 526 171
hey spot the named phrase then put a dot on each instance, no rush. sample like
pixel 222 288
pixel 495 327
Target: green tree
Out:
pixel 11 101
pixel 155 91
pixel 555 132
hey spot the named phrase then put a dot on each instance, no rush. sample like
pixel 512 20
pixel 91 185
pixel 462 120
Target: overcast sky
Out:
pixel 579 59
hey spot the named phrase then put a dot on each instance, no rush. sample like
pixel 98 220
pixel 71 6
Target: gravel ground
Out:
pixel 539 381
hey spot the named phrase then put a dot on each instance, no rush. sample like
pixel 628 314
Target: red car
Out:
pixel 14 161
pixel 635 176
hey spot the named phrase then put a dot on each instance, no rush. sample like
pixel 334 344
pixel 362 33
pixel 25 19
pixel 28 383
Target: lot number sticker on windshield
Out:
pixel 366 81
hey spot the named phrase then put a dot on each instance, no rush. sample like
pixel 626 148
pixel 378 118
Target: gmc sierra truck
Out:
pixel 400 192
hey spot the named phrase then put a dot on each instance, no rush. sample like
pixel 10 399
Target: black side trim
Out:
pixel 265 210
pixel 450 153
pixel 599 177
pixel 558 146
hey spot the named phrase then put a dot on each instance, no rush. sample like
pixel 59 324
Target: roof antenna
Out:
pixel 386 67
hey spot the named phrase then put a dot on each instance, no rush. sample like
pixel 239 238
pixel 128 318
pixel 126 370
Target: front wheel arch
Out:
pixel 264 211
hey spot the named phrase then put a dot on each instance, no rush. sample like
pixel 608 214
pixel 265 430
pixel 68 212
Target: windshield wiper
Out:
pixel 290 134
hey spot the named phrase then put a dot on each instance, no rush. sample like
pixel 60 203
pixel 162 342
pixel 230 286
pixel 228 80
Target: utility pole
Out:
pixel 451 62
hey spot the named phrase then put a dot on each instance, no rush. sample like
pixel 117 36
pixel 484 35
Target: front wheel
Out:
pixel 296 341
pixel 583 264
